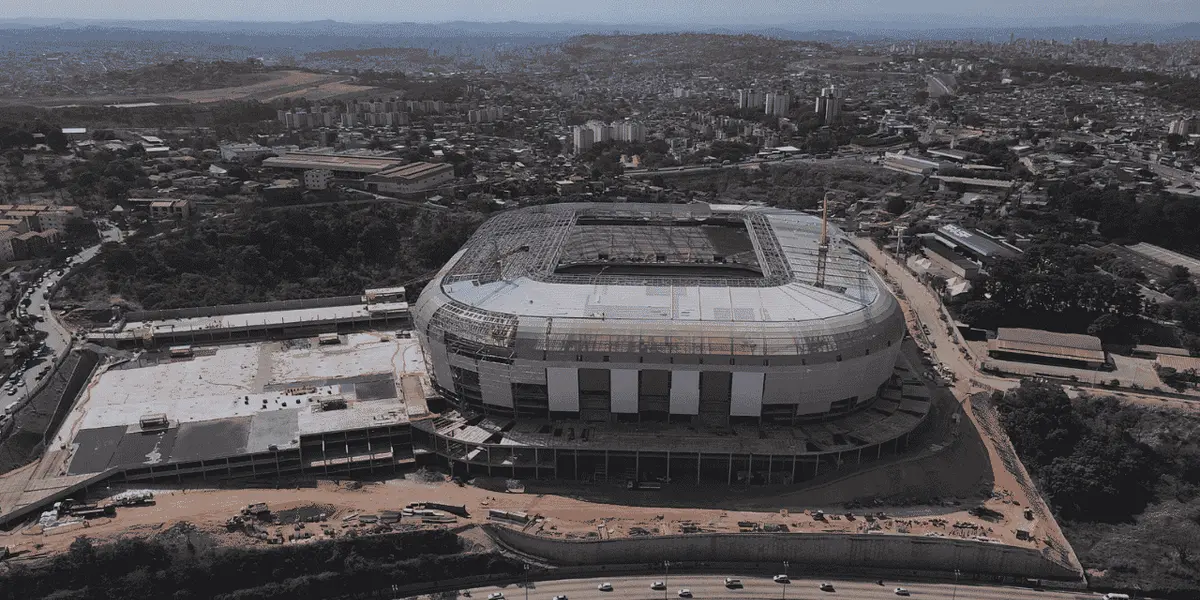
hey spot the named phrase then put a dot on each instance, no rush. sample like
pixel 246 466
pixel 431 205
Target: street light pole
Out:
pixel 954 593
pixel 526 573
pixel 666 571
pixel 786 580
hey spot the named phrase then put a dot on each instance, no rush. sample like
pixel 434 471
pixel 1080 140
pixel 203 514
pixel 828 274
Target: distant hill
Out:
pixel 1126 32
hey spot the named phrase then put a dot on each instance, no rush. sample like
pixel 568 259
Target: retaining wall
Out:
pixel 844 552
pixel 235 309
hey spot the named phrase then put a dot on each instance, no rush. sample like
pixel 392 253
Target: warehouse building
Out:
pixel 1048 347
pixel 412 178
pixel 347 166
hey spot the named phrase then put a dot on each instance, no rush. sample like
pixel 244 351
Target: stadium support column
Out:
pixel 729 479
pixel 668 465
pixel 699 457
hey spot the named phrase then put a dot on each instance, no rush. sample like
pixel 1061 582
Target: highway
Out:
pixel 58 338
pixel 708 587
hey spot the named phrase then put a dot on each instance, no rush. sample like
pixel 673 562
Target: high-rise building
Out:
pixel 600 131
pixel 829 103
pixel 1184 126
pixel 777 104
pixel 628 131
pixel 583 138
pixel 748 98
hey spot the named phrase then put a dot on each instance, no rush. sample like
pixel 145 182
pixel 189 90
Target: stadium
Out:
pixel 640 330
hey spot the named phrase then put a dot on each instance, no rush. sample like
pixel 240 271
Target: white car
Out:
pixel 658 585
pixel 605 587
pixel 781 579
pixel 731 582
pixel 561 597
pixel 496 596
pixel 685 593
pixel 901 592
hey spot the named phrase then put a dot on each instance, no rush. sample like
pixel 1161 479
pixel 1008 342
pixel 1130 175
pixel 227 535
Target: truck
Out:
pixel 643 485
pixel 95 512
pixel 133 498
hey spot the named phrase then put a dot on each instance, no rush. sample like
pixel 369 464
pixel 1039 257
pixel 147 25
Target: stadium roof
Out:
pixel 682 295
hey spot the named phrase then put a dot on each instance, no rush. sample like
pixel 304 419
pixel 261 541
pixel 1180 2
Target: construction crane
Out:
pixel 823 244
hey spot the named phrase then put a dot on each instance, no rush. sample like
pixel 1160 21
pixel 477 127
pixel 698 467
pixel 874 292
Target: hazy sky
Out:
pixel 998 12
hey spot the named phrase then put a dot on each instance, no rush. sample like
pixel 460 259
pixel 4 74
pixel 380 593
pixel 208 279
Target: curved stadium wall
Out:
pixel 699 314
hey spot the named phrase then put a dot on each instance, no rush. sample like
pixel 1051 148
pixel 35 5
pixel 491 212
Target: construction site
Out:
pixel 348 421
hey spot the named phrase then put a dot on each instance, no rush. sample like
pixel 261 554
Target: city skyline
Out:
pixel 668 12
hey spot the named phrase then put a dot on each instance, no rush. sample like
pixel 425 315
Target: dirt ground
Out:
pixel 287 84
pixel 560 514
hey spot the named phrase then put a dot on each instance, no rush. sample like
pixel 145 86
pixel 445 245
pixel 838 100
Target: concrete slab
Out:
pixel 95 449
pixel 144 448
pixel 211 439
pixel 279 428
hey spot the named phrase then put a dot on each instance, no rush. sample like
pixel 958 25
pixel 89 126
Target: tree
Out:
pixel 1104 326
pixel 897 205
pixel 983 314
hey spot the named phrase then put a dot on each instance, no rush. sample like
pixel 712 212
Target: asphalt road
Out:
pixel 741 165
pixel 707 587
pixel 58 338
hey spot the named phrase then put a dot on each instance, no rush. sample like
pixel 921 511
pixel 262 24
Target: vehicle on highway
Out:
pixel 561 597
pixel 827 587
pixel 1115 596
pixel 731 582
pixel 901 592
pixel 496 596
pixel 658 585
pixel 781 579
pixel 605 587
pixel 12 392
pixel 685 593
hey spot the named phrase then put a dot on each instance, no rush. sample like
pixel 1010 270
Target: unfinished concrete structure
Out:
pixel 615 325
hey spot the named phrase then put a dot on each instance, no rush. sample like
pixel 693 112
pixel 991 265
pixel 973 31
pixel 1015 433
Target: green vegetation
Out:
pixel 1123 479
pixel 1051 286
pixel 260 254
pixel 173 566
pixel 175 76
pixel 1179 91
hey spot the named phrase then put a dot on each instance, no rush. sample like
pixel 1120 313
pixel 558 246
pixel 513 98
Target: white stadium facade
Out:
pixel 564 331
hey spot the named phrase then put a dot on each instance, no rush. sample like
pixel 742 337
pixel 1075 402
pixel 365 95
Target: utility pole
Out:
pixel 954 593
pixel 526 573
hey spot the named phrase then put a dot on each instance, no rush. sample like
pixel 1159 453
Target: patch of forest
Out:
pixel 180 564
pixel 1124 481
pixel 261 254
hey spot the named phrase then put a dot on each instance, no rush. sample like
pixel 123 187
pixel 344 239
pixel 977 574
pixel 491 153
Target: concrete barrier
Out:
pixel 930 556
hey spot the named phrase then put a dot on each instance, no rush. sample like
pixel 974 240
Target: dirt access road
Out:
pixel 921 307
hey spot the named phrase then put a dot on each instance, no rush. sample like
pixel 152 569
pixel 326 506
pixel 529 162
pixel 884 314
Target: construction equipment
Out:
pixel 823 244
